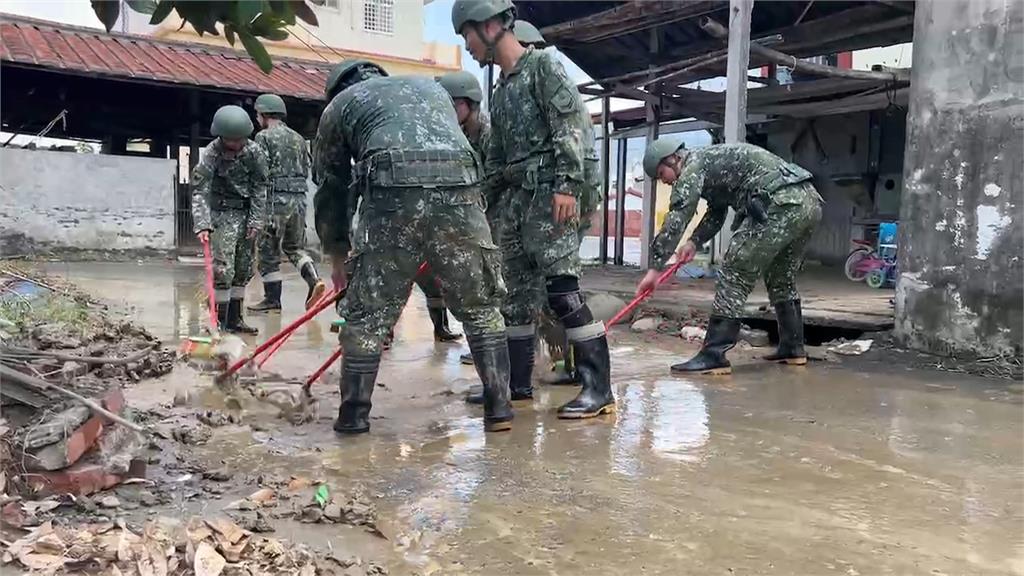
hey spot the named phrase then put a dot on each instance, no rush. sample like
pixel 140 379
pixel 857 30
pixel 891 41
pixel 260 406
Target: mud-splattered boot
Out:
pixel 720 338
pixel 236 323
pixel 271 298
pixel 791 334
pixel 593 365
pixel 439 316
pixel 521 358
pixel 358 375
pixel 313 281
pixel 222 316
pixel 491 358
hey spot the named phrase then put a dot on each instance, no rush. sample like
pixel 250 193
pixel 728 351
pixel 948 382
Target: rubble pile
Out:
pixel 203 547
pixel 64 362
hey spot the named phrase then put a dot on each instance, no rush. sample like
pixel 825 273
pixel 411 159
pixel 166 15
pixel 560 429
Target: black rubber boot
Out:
pixel 520 384
pixel 492 360
pixel 720 338
pixel 439 316
pixel 358 375
pixel 594 368
pixel 791 334
pixel 466 359
pixel 316 285
pixel 236 323
pixel 222 316
pixel 271 298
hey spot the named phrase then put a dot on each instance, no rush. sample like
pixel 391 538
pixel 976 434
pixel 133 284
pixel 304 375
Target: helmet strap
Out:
pixel 491 44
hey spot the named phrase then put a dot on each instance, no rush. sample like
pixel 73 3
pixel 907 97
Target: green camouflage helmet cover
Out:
pixel 270 104
pixel 462 84
pixel 657 152
pixel 464 11
pixel 336 79
pixel 528 35
pixel 231 122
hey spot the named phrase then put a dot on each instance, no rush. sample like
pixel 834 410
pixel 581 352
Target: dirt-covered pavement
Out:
pixel 858 466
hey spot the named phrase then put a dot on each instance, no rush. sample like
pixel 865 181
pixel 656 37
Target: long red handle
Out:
pixel 281 342
pixel 646 293
pixel 337 353
pixel 323 367
pixel 282 334
pixel 208 264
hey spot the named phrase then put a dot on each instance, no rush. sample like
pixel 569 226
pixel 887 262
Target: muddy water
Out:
pixel 819 470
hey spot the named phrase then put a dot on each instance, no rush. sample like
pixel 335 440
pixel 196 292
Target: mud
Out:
pixel 834 468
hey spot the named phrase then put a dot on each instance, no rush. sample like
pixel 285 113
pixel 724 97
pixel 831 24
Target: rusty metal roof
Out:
pixel 47 45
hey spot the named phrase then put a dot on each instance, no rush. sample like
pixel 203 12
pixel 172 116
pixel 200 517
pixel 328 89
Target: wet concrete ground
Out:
pixel 827 469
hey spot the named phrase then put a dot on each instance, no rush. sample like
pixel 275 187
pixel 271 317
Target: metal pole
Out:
pixel 490 84
pixel 620 203
pixel 606 162
pixel 735 95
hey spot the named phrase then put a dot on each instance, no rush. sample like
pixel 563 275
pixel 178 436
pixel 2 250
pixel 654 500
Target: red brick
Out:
pixel 71 449
pixel 81 479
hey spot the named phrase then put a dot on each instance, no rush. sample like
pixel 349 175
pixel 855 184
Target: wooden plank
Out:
pixel 626 18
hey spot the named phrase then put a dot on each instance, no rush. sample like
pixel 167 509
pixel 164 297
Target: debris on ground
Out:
pixel 200 546
pixel 692 333
pixel 646 324
pixel 849 348
pixel 754 337
pixel 65 361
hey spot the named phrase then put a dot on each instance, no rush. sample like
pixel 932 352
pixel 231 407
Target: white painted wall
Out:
pixel 87 201
pixel 897 56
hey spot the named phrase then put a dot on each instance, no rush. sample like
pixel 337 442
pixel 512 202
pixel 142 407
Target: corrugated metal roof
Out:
pixel 85 51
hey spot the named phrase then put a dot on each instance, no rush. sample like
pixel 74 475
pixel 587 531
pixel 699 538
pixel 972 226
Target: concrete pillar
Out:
pixel 961 261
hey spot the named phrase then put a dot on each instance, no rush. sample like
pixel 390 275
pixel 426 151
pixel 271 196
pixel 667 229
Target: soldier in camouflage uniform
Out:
pixel 537 157
pixel 777 210
pixel 289 169
pixel 229 192
pixel 419 181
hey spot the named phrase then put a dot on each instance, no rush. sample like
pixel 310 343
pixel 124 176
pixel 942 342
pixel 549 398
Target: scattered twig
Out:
pixel 134 357
pixel 10 272
pixel 27 380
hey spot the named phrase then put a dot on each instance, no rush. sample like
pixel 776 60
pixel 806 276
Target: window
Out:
pixel 332 4
pixel 379 16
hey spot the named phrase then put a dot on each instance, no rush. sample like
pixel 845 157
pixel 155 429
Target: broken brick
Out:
pixel 69 450
pixel 82 479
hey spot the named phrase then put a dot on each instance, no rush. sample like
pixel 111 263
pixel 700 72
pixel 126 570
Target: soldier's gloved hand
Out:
pixel 203 236
pixel 253 232
pixel 563 206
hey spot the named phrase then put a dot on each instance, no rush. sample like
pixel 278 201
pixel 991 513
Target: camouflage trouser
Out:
pixel 444 227
pixel 286 231
pixel 533 249
pixel 232 253
pixel 774 250
pixel 430 285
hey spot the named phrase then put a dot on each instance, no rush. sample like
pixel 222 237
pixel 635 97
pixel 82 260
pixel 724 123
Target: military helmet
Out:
pixel 462 84
pixel 270 104
pixel 344 69
pixel 464 11
pixel 231 122
pixel 528 35
pixel 658 150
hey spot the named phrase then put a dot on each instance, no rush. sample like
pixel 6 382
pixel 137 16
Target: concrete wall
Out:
pixel 962 277
pixel 86 201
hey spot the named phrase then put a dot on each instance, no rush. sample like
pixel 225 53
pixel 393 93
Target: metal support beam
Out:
pixel 489 78
pixel 650 201
pixel 620 201
pixel 606 149
pixel 735 95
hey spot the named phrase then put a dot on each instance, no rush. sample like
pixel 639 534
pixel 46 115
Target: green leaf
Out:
pixel 248 10
pixel 107 11
pixel 322 496
pixel 229 33
pixel 256 50
pixel 303 11
pixel 163 9
pixel 142 6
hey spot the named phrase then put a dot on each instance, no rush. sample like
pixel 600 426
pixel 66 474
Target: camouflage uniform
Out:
pixel 539 147
pixel 734 175
pixel 289 169
pixel 229 197
pixel 418 178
